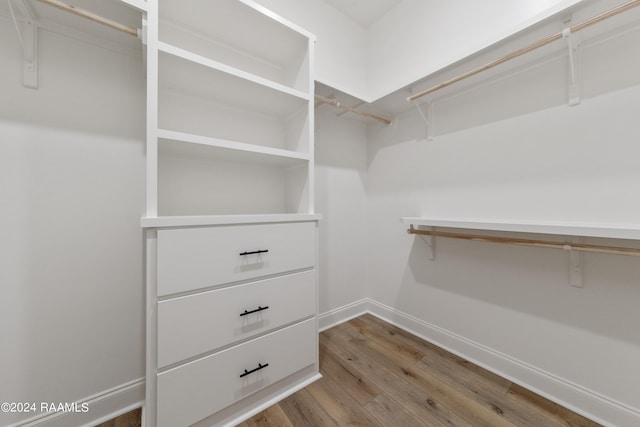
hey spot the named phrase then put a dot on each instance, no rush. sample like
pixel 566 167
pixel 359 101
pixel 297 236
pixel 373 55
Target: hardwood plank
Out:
pixel 446 401
pixel 273 416
pixel 438 389
pixel 429 348
pixel 130 419
pixel 562 416
pixel 388 412
pixel 421 401
pixel 304 411
pixel 368 330
pixel 487 393
pixel 486 388
pixel 342 408
pixel 358 386
pixel 456 374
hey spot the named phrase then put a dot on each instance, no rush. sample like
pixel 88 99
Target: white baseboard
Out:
pixel 102 407
pixel 342 314
pixel 588 403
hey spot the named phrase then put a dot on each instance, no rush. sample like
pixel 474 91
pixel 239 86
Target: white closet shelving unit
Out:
pixel 233 132
pixel 231 233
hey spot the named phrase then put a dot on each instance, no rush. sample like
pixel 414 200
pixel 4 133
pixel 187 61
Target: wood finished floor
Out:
pixel 375 374
pixel 130 419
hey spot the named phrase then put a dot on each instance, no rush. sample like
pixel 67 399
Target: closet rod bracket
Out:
pixel 30 54
pixel 28 36
pixel 574 66
pixel 576 264
pixel 427 117
pixel 428 239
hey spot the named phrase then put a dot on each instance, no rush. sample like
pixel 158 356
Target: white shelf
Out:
pixel 203 220
pixel 584 229
pixel 242 34
pixel 198 180
pixel 202 147
pixel 138 4
pixel 224 68
pixel 179 143
pixel 193 79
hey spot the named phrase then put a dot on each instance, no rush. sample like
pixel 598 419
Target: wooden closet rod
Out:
pixel 575 28
pixel 526 242
pixel 336 104
pixel 90 15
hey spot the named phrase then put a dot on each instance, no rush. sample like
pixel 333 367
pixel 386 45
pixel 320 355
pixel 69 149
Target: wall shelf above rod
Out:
pixel 562 228
pixel 533 46
pixel 581 247
pixel 337 104
pixel 575 248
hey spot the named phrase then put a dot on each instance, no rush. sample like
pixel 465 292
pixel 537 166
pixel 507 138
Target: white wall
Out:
pixel 72 192
pixel 341 44
pixel 341 171
pixel 514 149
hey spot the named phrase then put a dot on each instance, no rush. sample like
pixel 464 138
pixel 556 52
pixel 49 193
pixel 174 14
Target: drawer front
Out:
pixel 198 389
pixel 195 324
pixel 194 258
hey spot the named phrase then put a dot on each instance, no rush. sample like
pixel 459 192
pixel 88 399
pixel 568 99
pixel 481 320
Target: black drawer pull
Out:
pixel 261 251
pixel 260 366
pixel 254 311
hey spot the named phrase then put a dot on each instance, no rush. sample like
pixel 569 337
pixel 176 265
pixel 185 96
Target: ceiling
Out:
pixel 364 12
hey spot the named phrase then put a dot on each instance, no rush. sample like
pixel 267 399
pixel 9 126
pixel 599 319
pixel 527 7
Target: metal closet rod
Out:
pixel 526 242
pixel 92 16
pixel 336 104
pixel 573 29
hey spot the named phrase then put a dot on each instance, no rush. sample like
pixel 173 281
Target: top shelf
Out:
pixel 584 229
pixel 246 37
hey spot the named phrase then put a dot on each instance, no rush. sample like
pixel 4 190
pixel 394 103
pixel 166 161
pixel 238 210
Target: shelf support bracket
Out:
pixel 30 54
pixel 28 36
pixel 427 117
pixel 429 240
pixel 576 265
pixel 574 66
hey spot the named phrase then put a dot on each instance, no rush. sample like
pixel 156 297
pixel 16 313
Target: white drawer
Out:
pixel 198 389
pixel 195 324
pixel 194 258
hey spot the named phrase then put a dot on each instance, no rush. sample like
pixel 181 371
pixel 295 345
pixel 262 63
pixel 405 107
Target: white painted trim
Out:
pixel 581 400
pixel 103 406
pixel 342 314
